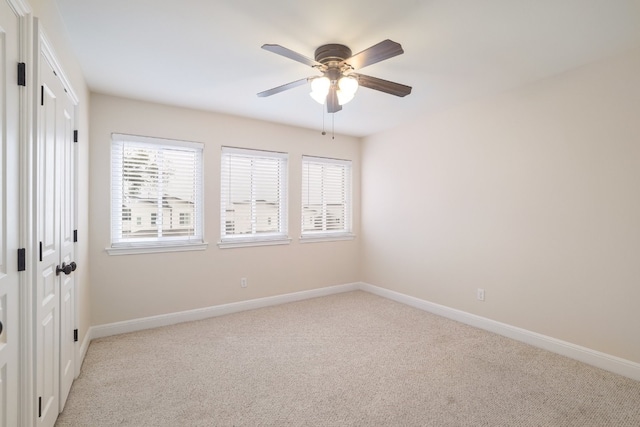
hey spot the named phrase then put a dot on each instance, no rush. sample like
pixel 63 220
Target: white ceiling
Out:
pixel 206 54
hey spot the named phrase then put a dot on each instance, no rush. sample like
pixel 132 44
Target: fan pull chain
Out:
pixel 333 126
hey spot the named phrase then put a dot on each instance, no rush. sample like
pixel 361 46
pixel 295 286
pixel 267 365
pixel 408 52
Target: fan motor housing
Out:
pixel 332 53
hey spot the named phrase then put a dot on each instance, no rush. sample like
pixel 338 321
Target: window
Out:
pixel 253 198
pixel 326 199
pixel 159 183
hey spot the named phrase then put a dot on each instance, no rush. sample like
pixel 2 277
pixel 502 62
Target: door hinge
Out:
pixel 75 135
pixel 22 259
pixel 22 74
pixel 75 236
pixel 40 251
pixel 41 95
pixel 40 407
pixel 75 335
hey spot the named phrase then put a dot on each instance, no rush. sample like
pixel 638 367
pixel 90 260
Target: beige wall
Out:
pixel 134 286
pixel 533 195
pixel 49 19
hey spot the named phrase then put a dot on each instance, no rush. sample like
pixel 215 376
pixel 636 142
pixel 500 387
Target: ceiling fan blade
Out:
pixel 332 101
pixel 288 53
pixel 384 50
pixel 386 86
pixel 282 88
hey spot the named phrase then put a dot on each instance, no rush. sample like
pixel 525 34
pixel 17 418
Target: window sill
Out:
pixel 315 238
pixel 150 249
pixel 245 243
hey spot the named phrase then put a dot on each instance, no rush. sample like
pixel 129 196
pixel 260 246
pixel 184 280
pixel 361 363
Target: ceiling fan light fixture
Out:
pixel 347 87
pixel 318 97
pixel 320 88
pixel 344 97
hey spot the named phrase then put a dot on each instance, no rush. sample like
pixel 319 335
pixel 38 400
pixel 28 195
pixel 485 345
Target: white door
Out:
pixel 9 205
pixel 54 216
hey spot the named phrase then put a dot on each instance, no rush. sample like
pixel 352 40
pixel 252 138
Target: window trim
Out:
pixel 170 244
pixel 329 236
pixel 151 248
pixel 264 239
pixel 246 243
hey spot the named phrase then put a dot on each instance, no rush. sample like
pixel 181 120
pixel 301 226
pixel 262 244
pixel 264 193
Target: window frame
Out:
pixel 279 237
pixel 346 233
pixel 121 245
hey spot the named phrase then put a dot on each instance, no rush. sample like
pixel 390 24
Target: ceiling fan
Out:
pixel 339 81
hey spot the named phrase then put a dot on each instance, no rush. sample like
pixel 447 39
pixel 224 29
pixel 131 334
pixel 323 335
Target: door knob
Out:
pixel 66 268
pixel 0 328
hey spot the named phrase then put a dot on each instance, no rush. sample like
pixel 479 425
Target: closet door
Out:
pixel 55 279
pixel 9 205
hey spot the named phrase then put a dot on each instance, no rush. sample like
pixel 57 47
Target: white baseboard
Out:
pixel 595 358
pixel 217 310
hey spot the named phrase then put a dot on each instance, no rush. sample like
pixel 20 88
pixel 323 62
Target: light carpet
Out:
pixel 352 359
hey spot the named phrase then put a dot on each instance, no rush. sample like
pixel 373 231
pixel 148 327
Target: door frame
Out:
pixel 25 154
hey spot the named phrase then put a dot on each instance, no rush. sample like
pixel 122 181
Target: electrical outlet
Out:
pixel 480 294
pixel 243 282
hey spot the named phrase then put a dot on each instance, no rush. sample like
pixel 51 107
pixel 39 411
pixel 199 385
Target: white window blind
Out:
pixel 156 191
pixel 326 196
pixel 253 195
